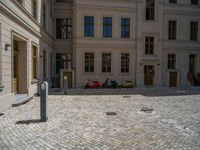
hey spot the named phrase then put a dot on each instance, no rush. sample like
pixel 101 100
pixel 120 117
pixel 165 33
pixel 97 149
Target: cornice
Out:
pixel 18 19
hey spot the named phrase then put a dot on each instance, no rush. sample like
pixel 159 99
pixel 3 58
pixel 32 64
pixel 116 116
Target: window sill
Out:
pixel 35 81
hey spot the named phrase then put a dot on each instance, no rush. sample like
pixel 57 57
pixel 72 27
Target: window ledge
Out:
pixel 35 81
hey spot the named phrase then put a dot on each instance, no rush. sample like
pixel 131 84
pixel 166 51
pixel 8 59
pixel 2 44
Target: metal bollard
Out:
pixel 44 102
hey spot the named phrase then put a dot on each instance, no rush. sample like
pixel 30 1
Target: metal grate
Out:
pixel 111 113
pixel 147 110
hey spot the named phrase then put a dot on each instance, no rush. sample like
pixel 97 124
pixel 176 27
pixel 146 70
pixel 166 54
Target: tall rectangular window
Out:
pixel 63 28
pixel 125 27
pixel 171 61
pixel 150 9
pixel 89 26
pixel 194 2
pixel 89 62
pixel 34 9
pixel 173 1
pixel 34 62
pixel 149 45
pixel 125 62
pixel 44 16
pixel 107 27
pixel 106 62
pixel 194 31
pixel 172 30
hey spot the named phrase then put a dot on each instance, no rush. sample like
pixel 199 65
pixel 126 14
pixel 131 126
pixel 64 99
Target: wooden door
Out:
pixel 69 79
pixel 15 69
pixel 148 75
pixel 173 79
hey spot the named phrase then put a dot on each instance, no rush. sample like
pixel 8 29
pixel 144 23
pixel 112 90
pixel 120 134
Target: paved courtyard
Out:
pixel 80 122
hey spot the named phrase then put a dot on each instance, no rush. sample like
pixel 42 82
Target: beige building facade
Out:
pixel 152 43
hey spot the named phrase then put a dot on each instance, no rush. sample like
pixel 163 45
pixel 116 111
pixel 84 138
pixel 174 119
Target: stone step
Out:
pixel 22 101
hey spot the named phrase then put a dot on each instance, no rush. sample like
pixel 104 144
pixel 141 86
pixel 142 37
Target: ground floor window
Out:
pixel 89 62
pixel 125 60
pixel 34 62
pixel 63 61
pixel 106 62
pixel 171 61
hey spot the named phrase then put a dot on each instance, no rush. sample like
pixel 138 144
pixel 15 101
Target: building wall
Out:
pixel 17 23
pixel 97 44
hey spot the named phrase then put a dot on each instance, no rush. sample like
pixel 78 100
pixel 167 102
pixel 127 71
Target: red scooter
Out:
pixel 92 84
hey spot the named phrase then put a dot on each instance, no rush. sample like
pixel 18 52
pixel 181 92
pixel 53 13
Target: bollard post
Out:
pixel 66 85
pixel 44 102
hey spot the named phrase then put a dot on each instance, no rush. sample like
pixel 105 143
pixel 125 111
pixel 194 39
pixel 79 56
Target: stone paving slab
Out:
pixel 81 123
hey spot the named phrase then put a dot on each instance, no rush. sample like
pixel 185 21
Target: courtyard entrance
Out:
pixel 149 75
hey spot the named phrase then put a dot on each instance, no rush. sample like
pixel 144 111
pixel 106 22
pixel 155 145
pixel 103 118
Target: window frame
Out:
pixel 90 63
pixel 34 9
pixel 171 61
pixel 34 61
pixel 193 32
pixel 89 26
pixel 151 16
pixel 61 26
pixel 125 28
pixel 106 62
pixel 125 64
pixel 149 45
pixel 107 27
pixel 172 30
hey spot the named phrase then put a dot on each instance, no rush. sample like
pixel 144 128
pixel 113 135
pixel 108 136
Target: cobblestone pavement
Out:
pixel 81 123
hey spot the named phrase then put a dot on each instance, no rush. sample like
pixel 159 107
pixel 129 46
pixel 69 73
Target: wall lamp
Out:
pixel 7 46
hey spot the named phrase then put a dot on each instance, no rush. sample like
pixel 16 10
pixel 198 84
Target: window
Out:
pixel 150 9
pixel 124 63
pixel 89 26
pixel 63 61
pixel 125 28
pixel 172 30
pixel 195 2
pixel 44 16
pixel 106 62
pixel 34 9
pixel 20 2
pixel 107 27
pixel 64 28
pixel 64 1
pixel 34 62
pixel 89 62
pixel 149 45
pixel 194 31
pixel 171 61
pixel 173 1
pixel 44 65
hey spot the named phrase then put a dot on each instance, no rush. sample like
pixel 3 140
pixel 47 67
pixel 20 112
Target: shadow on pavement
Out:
pixel 27 122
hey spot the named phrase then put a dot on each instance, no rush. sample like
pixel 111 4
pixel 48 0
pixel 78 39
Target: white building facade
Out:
pixel 152 43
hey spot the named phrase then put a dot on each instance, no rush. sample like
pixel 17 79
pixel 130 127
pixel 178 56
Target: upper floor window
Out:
pixel 44 16
pixel 125 60
pixel 194 31
pixel 172 30
pixel 106 62
pixel 89 26
pixel 107 26
pixel 149 45
pixel 125 27
pixel 64 1
pixel 173 1
pixel 63 28
pixel 34 8
pixel 194 2
pixel 171 61
pixel 150 9
pixel 89 62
